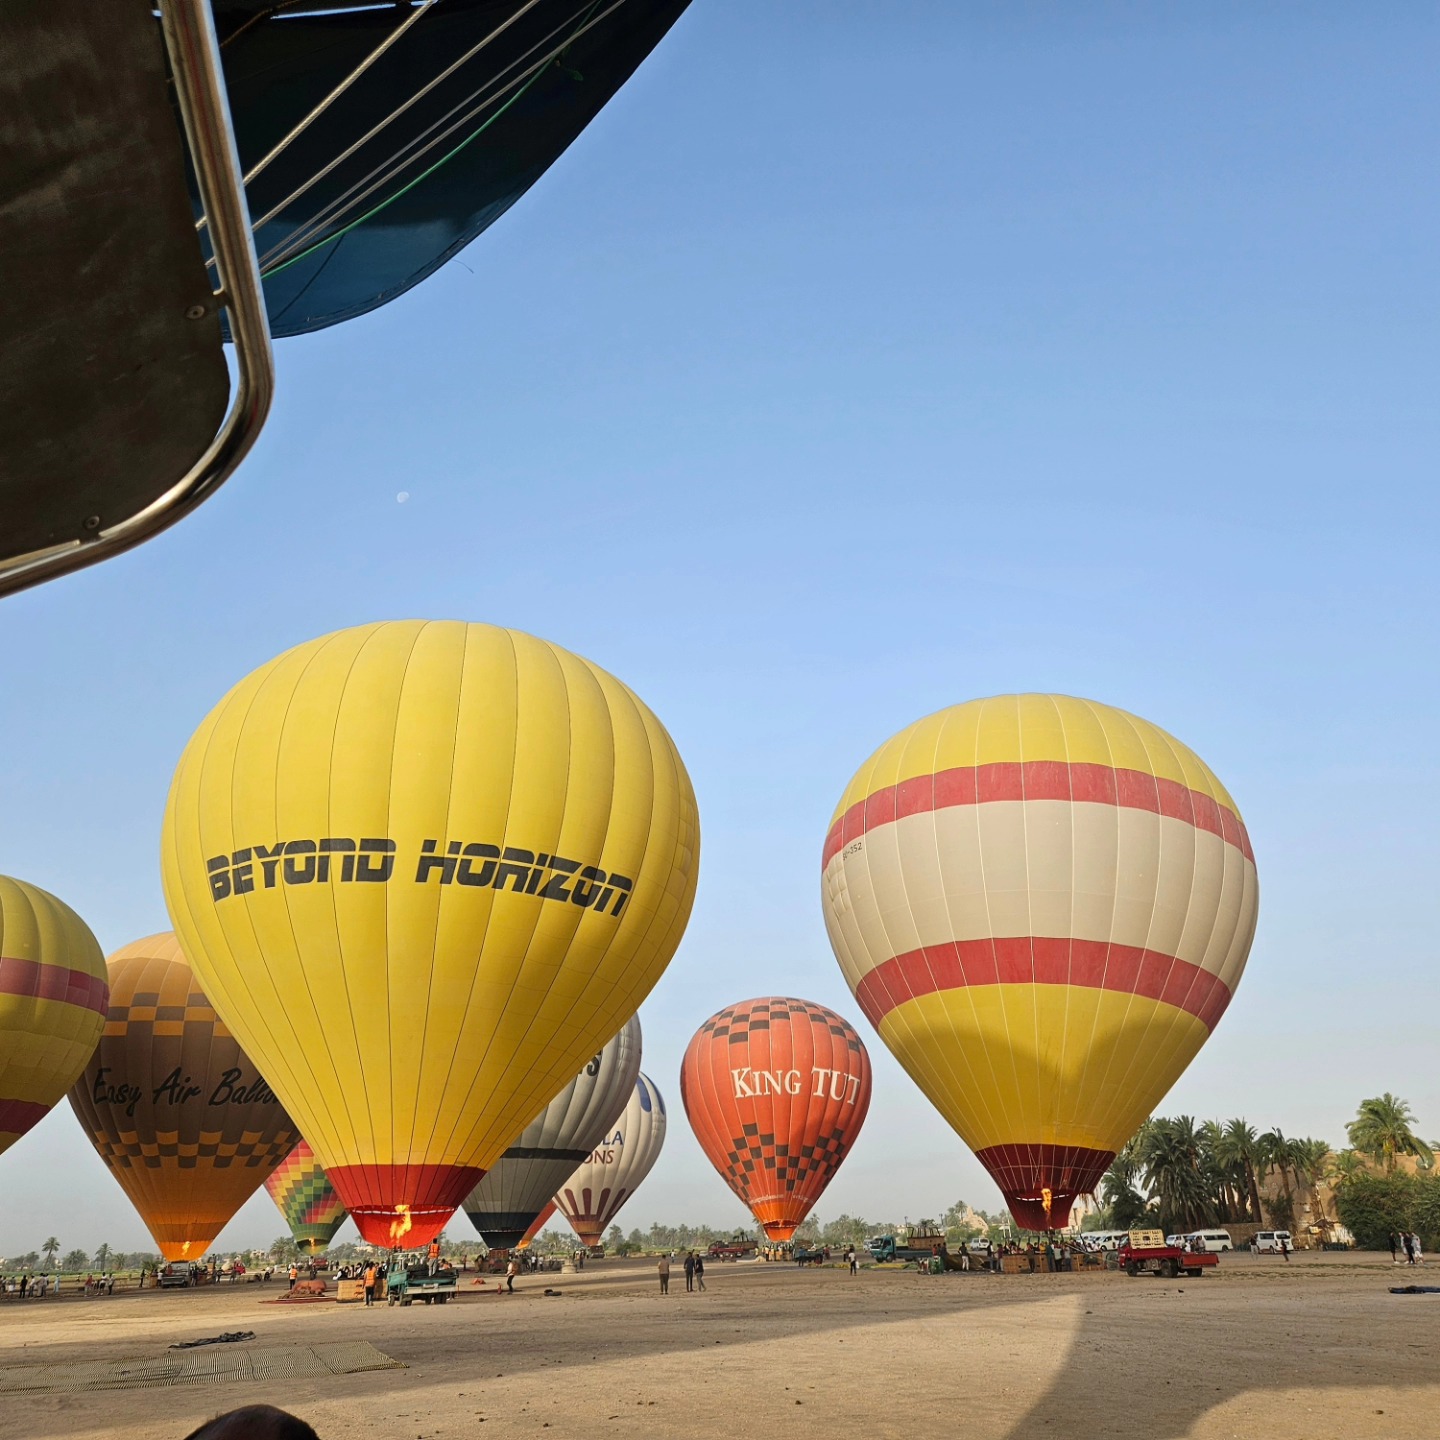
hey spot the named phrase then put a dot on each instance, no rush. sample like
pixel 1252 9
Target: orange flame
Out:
pixel 1045 1198
pixel 403 1225
pixel 185 1248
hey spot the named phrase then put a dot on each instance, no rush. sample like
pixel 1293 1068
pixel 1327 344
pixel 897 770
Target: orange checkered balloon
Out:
pixel 776 1091
pixel 173 1106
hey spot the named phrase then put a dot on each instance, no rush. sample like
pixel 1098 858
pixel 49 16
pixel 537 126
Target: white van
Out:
pixel 1105 1239
pixel 1268 1242
pixel 1215 1241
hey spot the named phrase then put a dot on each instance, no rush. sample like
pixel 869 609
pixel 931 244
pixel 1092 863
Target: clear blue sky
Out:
pixel 861 359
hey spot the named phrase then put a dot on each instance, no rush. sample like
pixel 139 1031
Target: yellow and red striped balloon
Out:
pixel 1044 905
pixel 53 997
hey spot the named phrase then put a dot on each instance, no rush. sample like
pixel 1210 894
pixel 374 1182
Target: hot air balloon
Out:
pixel 1044 905
pixel 591 1198
pixel 505 1203
pixel 53 996
pixel 776 1091
pixel 173 1105
pixel 536 1226
pixel 427 870
pixel 307 1199
pixel 410 129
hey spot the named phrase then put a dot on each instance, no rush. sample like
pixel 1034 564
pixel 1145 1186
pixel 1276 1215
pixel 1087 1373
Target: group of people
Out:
pixel 1406 1244
pixel 694 1267
pixel 31 1287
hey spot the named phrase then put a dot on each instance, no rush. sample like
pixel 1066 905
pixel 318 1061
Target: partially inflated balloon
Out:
pixel 505 1203
pixel 427 870
pixel 53 996
pixel 1044 905
pixel 173 1105
pixel 536 1226
pixel 305 1197
pixel 776 1091
pixel 591 1198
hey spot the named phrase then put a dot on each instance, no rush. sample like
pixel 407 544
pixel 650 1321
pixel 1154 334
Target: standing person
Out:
pixel 1419 1253
pixel 689 1270
pixel 1408 1241
pixel 371 1275
pixel 511 1271
pixel 1394 1248
pixel 1285 1249
pixel 664 1269
pixel 700 1272
pixel 851 1261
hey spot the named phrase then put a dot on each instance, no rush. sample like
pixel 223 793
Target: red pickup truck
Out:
pixel 730 1249
pixel 1145 1252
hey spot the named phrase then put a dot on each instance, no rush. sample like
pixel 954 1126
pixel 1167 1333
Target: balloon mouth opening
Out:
pixel 779 1232
pixel 1041 1183
pixel 402 1206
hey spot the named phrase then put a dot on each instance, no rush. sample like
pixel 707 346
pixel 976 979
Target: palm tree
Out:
pixel 50 1247
pixel 1275 1154
pixel 1172 1164
pixel 102 1256
pixel 1239 1148
pixel 1381 1129
pixel 1344 1167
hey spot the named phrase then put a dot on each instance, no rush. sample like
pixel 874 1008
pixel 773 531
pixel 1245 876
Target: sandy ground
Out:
pixel 1317 1348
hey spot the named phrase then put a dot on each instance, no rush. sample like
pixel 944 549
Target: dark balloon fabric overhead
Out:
pixel 429 146
pixel 172 1104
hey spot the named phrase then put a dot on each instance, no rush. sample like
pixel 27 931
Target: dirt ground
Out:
pixel 1315 1348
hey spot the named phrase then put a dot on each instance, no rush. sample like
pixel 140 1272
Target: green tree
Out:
pixel 51 1248
pixel 1170 1153
pixel 1238 1150
pixel 75 1260
pixel 284 1250
pixel 1344 1167
pixel 103 1256
pixel 29 1260
pixel 1372 1206
pixel 1382 1129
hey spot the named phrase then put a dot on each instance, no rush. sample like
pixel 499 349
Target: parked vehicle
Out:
pixel 1146 1252
pixel 1216 1241
pixel 802 1256
pixel 889 1247
pixel 730 1249
pixel 406 1283
pixel 1269 1242
pixel 1104 1239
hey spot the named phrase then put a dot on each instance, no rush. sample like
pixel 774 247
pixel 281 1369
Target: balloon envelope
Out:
pixel 427 870
pixel 504 1204
pixel 1044 905
pixel 305 1197
pixel 776 1091
pixel 53 997
pixel 592 1197
pixel 536 1226
pixel 173 1105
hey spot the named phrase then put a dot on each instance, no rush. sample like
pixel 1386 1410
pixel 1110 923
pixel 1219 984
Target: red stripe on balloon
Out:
pixel 1025 1172
pixel 1039 960
pixel 17 1116
pixel 374 1195
pixel 1037 780
pixel 35 980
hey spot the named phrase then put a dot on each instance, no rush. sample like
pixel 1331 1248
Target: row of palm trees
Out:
pixel 1212 1173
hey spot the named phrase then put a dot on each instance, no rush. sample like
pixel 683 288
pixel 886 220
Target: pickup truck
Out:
pixel 407 1283
pixel 803 1256
pixel 887 1247
pixel 730 1249
pixel 1146 1252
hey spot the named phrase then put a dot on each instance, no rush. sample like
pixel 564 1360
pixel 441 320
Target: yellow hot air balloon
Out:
pixel 425 870
pixel 53 996
pixel 173 1106
pixel 1044 905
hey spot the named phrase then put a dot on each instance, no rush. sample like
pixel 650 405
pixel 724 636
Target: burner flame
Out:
pixel 403 1224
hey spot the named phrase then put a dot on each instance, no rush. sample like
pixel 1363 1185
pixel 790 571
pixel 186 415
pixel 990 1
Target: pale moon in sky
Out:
pixel 402 497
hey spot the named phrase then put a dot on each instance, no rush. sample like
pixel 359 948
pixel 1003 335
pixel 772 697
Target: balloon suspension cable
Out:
pixel 303 240
pixel 395 114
